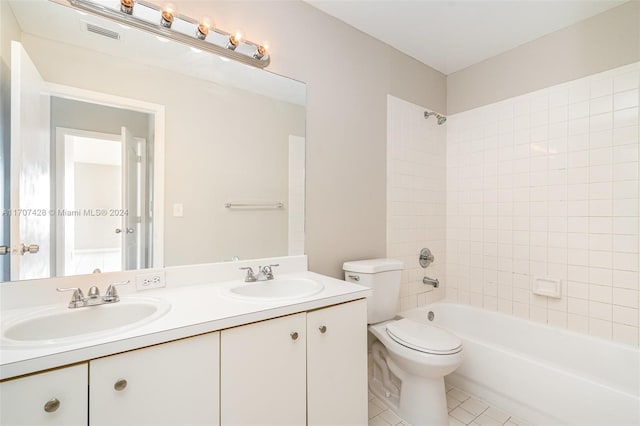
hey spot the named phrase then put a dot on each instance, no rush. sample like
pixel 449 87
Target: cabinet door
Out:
pixel 262 378
pixel 337 365
pixel 57 397
pixel 174 383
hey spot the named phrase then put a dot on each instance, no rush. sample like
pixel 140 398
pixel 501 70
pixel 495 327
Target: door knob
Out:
pixel 294 335
pixel 127 230
pixel 31 249
pixel 4 250
pixel 323 329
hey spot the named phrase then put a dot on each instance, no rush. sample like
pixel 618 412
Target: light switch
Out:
pixel 177 210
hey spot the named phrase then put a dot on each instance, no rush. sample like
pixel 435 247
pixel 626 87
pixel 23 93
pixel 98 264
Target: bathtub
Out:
pixel 541 374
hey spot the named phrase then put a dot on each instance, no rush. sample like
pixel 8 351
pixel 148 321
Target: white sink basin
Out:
pixel 277 289
pixel 59 324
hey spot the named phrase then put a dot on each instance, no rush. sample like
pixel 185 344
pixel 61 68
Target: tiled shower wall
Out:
pixel 416 199
pixel 546 185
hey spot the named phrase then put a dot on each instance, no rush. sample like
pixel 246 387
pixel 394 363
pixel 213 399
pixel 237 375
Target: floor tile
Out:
pixel 452 402
pixel 464 409
pixel 474 406
pixel 377 421
pixel 496 414
pixel 458 394
pixel 390 417
pixel 455 422
pixel 462 415
pixel 374 409
pixel 484 420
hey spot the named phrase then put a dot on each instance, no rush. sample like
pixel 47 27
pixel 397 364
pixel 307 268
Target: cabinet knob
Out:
pixel 51 405
pixel 323 329
pixel 120 385
pixel 294 335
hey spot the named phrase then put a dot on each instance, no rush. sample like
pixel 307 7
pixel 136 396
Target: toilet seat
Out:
pixel 423 337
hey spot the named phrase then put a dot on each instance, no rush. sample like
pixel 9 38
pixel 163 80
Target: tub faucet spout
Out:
pixel 431 281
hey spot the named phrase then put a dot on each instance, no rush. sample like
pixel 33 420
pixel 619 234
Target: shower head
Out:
pixel 441 118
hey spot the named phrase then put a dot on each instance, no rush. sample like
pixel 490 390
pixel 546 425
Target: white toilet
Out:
pixel 410 358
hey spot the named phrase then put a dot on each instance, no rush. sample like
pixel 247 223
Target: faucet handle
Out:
pixel 94 291
pixel 250 277
pixel 268 271
pixel 77 299
pixel 112 294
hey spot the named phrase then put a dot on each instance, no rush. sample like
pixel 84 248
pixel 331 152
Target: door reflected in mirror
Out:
pixel 139 144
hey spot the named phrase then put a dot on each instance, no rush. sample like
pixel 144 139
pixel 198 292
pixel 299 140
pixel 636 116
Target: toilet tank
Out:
pixel 383 276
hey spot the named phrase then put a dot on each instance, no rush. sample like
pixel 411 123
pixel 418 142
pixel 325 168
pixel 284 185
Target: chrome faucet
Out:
pixel 265 273
pixel 250 277
pixel 93 299
pixel 431 281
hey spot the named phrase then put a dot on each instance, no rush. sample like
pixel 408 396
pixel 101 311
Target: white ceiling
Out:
pixel 450 35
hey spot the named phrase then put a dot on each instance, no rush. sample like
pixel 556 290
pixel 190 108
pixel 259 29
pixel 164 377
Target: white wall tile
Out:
pixel 626 82
pixel 601 105
pixel 625 334
pixel 628 99
pixel 416 197
pixel 622 118
pixel 551 189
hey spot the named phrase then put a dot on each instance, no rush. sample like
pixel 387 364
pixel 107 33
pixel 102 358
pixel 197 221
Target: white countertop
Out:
pixel 195 309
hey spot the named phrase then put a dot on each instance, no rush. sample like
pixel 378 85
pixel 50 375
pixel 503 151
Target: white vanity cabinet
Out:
pixel 174 383
pixel 56 397
pixel 304 368
pixel 308 368
pixel 263 373
pixel 337 365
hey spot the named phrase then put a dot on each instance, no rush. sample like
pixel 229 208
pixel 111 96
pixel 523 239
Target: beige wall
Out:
pixel 608 40
pixel 348 76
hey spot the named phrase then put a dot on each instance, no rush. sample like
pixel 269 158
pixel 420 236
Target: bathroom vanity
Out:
pixel 212 358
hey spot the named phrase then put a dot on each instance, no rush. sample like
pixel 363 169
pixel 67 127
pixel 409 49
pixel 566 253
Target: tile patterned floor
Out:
pixel 464 409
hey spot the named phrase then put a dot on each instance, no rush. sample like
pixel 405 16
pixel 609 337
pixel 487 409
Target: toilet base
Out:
pixel 418 400
pixel 423 402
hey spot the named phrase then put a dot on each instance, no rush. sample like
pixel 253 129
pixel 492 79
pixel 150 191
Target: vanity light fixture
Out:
pixel 166 23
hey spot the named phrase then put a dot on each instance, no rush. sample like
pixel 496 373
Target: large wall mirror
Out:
pixel 124 150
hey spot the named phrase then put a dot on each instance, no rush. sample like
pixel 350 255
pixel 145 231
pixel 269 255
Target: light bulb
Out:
pixel 167 16
pixel 126 6
pixel 262 50
pixel 234 40
pixel 202 30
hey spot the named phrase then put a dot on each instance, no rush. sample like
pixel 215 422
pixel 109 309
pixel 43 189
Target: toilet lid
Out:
pixel 423 337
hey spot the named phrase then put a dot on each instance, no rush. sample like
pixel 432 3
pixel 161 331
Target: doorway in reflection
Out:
pixel 100 190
